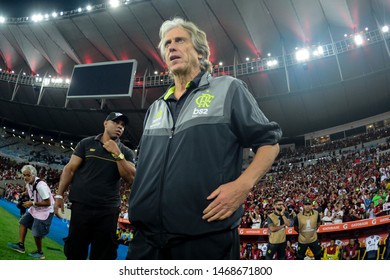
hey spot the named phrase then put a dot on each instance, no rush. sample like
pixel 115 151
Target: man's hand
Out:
pixel 111 147
pixel 226 199
pixel 28 204
pixel 59 204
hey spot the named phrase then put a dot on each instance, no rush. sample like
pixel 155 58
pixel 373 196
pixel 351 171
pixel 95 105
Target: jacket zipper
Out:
pixel 189 98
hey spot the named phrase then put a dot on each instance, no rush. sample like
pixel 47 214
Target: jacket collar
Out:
pixel 202 80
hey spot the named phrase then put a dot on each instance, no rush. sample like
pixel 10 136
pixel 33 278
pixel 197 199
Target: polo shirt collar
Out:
pixel 99 136
pixel 192 84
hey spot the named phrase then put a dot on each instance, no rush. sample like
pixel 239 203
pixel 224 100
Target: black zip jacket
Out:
pixel 180 165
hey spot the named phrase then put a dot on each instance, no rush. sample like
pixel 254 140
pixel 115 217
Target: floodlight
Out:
pixel 385 29
pixel 302 55
pixel 114 3
pixel 319 51
pixel 37 17
pixel 272 62
pixel 358 39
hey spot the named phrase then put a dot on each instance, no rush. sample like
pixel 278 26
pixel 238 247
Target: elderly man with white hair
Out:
pixel 39 215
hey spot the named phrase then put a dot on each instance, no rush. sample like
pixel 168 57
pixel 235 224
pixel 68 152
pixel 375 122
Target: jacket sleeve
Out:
pixel 249 123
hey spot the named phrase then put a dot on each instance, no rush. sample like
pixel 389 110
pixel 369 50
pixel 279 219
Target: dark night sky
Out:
pixel 26 8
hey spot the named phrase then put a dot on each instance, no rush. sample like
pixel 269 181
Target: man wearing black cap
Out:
pixel 94 172
pixel 306 224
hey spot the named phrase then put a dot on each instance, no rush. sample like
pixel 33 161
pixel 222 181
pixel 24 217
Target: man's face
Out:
pixel 114 128
pixel 28 178
pixel 307 207
pixel 180 54
pixel 278 206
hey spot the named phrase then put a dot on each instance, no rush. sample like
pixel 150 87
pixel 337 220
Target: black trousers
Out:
pixel 315 247
pixel 212 246
pixel 92 230
pixel 280 249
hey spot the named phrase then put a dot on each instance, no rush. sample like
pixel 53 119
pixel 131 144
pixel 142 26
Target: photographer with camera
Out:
pixel 39 215
pixel 306 224
pixel 278 220
pixel 22 199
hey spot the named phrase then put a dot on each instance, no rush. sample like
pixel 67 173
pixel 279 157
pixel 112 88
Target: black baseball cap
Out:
pixel 307 201
pixel 113 116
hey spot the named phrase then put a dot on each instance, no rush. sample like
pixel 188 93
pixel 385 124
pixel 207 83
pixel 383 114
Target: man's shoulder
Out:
pixel 89 138
pixel 225 79
pixel 126 149
pixel 41 184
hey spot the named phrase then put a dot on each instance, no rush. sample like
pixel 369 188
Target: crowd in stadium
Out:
pixel 344 184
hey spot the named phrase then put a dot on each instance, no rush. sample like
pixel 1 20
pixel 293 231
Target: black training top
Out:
pixel 96 182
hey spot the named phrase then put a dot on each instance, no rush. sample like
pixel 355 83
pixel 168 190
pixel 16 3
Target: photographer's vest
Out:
pixel 307 227
pixel 39 212
pixel 276 237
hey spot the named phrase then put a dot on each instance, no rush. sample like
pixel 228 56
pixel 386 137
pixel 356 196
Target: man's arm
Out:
pixel 286 220
pixel 318 221
pixel 43 203
pixel 296 224
pixel 228 197
pixel 274 228
pixel 65 180
pixel 126 168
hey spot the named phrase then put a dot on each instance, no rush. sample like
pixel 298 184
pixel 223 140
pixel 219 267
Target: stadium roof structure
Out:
pixel 341 72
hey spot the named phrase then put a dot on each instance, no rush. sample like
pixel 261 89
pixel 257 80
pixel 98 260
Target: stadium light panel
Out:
pixel 302 55
pixel 358 39
pixel 2 19
pixel 385 29
pixel 272 62
pixel 318 51
pixel 114 3
pixel 37 17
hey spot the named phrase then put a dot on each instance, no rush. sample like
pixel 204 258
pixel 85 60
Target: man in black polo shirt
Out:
pixel 94 173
